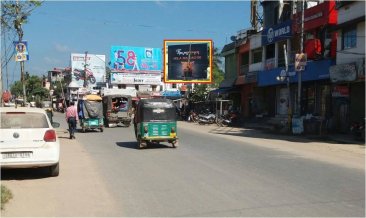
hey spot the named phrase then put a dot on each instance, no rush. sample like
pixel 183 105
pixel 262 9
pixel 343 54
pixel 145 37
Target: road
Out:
pixel 214 172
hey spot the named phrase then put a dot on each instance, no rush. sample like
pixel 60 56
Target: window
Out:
pixel 174 85
pixel 244 58
pixel 153 87
pixel 20 120
pixel 270 51
pixel 349 38
pixel 257 55
pixel 281 54
pixel 122 86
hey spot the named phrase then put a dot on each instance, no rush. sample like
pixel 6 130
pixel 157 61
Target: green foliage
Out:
pixel 6 195
pixel 199 93
pixel 13 13
pixel 33 87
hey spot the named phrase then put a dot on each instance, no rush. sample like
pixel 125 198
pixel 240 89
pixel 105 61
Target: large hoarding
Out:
pixel 95 69
pixel 136 59
pixel 188 61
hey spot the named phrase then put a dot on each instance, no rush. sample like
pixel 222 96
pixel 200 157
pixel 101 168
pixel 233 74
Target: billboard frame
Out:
pixel 182 42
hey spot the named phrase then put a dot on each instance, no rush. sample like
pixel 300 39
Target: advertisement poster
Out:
pixel 21 51
pixel 188 61
pixel 136 78
pixel 95 69
pixel 136 59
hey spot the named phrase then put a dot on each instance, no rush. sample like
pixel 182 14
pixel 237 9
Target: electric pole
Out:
pixel 301 51
pixel 18 26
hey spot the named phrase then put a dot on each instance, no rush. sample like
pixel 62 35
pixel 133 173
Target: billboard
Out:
pixel 136 59
pixel 187 61
pixel 95 69
pixel 21 51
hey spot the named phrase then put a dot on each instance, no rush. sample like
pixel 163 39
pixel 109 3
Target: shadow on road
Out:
pixel 133 145
pixel 24 174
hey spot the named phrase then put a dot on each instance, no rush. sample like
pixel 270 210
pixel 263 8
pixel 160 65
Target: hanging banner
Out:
pixel 21 51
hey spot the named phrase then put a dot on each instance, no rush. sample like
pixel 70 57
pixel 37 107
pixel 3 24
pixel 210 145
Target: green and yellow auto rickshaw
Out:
pixel 155 121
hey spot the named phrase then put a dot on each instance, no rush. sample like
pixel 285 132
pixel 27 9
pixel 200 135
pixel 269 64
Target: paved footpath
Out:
pixel 347 155
pixel 79 190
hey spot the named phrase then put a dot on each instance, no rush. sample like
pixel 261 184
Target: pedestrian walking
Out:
pixel 72 118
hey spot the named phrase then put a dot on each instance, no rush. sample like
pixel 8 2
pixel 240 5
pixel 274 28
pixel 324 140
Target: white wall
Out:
pixel 256 41
pixel 351 11
pixel 343 58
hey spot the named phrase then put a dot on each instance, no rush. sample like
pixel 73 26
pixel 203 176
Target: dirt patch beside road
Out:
pixel 78 191
pixel 347 155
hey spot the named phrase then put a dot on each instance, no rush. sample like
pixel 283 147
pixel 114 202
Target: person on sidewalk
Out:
pixel 72 118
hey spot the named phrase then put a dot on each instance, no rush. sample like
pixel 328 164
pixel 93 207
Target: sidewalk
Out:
pixel 344 154
pixel 330 138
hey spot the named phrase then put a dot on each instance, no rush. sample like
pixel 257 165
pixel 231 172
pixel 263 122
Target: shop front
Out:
pixel 348 94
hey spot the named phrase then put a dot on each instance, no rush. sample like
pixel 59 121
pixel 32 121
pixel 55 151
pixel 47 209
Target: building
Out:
pixel 348 75
pixel 261 61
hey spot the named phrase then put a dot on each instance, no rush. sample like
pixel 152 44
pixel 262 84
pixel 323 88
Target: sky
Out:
pixel 58 28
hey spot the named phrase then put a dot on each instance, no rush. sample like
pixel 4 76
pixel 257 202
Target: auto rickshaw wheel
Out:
pixel 139 143
pixel 175 144
pixel 101 129
pixel 83 129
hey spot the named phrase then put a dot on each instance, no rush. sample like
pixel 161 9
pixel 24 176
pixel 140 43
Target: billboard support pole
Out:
pixel 85 74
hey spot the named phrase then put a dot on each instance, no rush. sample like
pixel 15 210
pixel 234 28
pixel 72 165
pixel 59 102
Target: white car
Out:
pixel 28 139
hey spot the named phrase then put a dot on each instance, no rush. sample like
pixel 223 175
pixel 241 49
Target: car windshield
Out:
pixel 20 120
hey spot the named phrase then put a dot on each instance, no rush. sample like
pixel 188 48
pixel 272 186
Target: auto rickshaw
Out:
pixel 90 111
pixel 155 121
pixel 117 110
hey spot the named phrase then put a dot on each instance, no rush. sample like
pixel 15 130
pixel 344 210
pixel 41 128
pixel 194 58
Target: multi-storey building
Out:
pixel 261 60
pixel 348 75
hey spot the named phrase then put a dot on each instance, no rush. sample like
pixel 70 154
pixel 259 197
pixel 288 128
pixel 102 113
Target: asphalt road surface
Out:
pixel 207 175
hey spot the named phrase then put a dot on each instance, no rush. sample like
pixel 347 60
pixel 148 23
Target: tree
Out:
pixel 13 15
pixel 33 88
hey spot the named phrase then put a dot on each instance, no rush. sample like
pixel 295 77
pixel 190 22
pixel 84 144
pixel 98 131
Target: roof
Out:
pixel 228 47
pixel 229 82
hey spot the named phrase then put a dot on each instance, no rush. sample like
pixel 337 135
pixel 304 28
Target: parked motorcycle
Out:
pixel 358 130
pixel 80 74
pixel 193 117
pixel 208 118
pixel 224 120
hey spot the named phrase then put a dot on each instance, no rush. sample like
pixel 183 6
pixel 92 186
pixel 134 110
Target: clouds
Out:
pixel 62 48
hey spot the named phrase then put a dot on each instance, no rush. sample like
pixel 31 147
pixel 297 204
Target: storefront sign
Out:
pixel 133 78
pixel 300 61
pixel 316 16
pixel 340 91
pixel 250 77
pixel 277 33
pixel 343 73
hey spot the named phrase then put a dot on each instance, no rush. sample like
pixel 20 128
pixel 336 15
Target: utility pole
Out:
pixel 85 74
pixel 289 108
pixel 18 26
pixel 301 51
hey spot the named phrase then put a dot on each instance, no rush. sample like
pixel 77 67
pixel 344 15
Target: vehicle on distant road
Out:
pixel 28 139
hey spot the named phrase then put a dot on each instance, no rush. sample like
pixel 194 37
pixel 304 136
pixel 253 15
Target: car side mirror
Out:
pixel 55 125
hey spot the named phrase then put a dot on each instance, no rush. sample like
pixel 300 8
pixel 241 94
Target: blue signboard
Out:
pixel 315 70
pixel 136 59
pixel 276 33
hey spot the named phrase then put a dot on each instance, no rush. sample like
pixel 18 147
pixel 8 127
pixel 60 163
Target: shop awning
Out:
pixel 227 83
